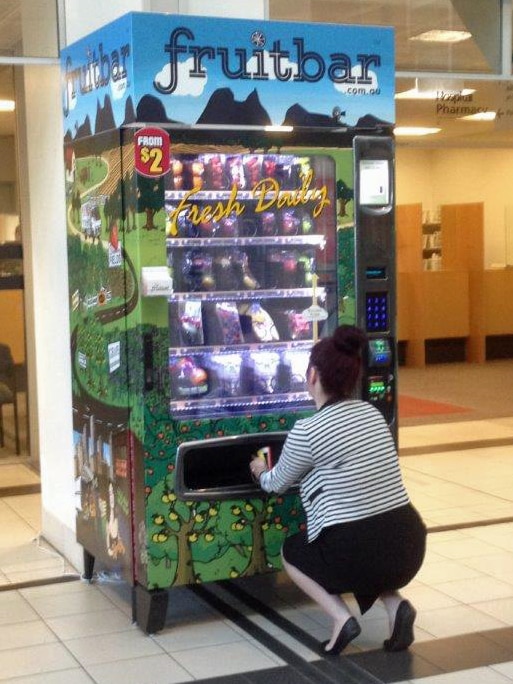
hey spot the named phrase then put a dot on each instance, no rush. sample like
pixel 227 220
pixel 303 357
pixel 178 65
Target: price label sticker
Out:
pixel 315 313
pixel 152 156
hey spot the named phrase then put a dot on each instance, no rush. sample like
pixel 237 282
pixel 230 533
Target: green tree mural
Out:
pixel 150 198
pixel 344 195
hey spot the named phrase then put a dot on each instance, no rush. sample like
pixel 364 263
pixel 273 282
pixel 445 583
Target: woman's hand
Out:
pixel 257 467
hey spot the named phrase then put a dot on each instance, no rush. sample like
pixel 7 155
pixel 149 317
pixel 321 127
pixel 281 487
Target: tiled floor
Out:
pixel 75 632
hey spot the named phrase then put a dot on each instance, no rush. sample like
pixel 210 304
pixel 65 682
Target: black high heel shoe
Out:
pixel 402 634
pixel 349 631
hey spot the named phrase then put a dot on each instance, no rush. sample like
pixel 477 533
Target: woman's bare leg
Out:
pixel 331 604
pixel 401 615
pixel 391 600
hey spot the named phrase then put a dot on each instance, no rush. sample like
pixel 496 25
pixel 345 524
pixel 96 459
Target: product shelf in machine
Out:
pixel 311 195
pixel 305 345
pixel 186 409
pixel 302 240
pixel 242 295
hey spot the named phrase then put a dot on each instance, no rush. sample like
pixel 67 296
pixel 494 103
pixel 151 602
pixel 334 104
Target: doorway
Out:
pixel 19 472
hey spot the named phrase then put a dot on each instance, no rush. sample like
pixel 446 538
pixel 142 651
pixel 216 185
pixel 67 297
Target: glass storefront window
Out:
pixel 414 22
pixel 28 28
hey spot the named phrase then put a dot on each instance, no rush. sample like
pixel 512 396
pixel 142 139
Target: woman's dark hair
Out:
pixel 338 360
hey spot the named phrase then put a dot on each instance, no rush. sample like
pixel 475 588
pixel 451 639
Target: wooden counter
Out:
pixel 491 310
pixel 431 305
pixel 12 329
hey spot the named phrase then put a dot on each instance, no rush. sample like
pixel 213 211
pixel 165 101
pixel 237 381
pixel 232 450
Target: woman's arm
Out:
pixel 295 460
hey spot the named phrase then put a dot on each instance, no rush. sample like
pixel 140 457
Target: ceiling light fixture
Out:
pixel 417 94
pixel 431 89
pixel 442 36
pixel 7 105
pixel 481 116
pixel 414 130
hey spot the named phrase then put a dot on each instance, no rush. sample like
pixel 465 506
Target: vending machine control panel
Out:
pixel 375 265
pixel 380 386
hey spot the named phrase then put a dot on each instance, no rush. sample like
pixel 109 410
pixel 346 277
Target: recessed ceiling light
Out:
pixel 415 94
pixel 415 130
pixel 442 36
pixel 7 105
pixel 434 88
pixel 481 116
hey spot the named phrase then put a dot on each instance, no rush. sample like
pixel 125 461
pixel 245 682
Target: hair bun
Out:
pixel 349 340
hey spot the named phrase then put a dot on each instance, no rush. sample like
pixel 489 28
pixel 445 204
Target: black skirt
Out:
pixel 364 557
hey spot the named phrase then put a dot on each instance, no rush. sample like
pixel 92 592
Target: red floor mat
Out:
pixel 411 407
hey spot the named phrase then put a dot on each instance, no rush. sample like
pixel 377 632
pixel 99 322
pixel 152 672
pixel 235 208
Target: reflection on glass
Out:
pixel 28 28
pixel 246 241
pixel 411 18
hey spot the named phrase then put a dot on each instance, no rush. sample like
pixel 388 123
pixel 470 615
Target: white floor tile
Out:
pixel 26 553
pixel 217 661
pixel 18 530
pixel 7 513
pixel 500 609
pixel 476 589
pixel 505 669
pixel 119 595
pixel 58 589
pixel 90 624
pixel 497 565
pixel 105 648
pixel 34 574
pixel 298 648
pixel 433 573
pixel 27 507
pixel 459 619
pixel 14 609
pixel 160 669
pixel 12 475
pixel 57 605
pixel 466 548
pixel 37 659
pixel 427 598
pixel 62 677
pixel 478 675
pixel 25 634
pixel 197 635
pixel 454 432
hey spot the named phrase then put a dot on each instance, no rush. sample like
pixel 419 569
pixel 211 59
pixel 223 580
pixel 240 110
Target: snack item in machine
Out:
pixel 188 379
pixel 298 327
pixel 228 317
pixel 262 324
pixel 191 322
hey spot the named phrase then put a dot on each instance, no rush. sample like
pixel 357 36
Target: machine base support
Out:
pixel 149 608
pixel 88 565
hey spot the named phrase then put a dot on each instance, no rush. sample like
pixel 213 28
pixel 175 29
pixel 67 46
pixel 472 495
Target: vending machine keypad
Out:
pixel 376 312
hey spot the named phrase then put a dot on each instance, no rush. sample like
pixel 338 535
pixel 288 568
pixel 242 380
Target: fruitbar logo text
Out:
pixel 296 64
pixel 98 71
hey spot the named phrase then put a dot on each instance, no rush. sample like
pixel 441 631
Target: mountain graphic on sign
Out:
pixel 223 108
pixel 372 122
pixel 84 130
pixel 129 111
pixel 151 109
pixel 296 115
pixel 104 116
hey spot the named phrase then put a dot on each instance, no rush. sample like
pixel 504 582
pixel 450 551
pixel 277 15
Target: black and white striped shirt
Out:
pixel 345 460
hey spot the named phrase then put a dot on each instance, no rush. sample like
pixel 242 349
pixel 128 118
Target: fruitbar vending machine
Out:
pixel 230 200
